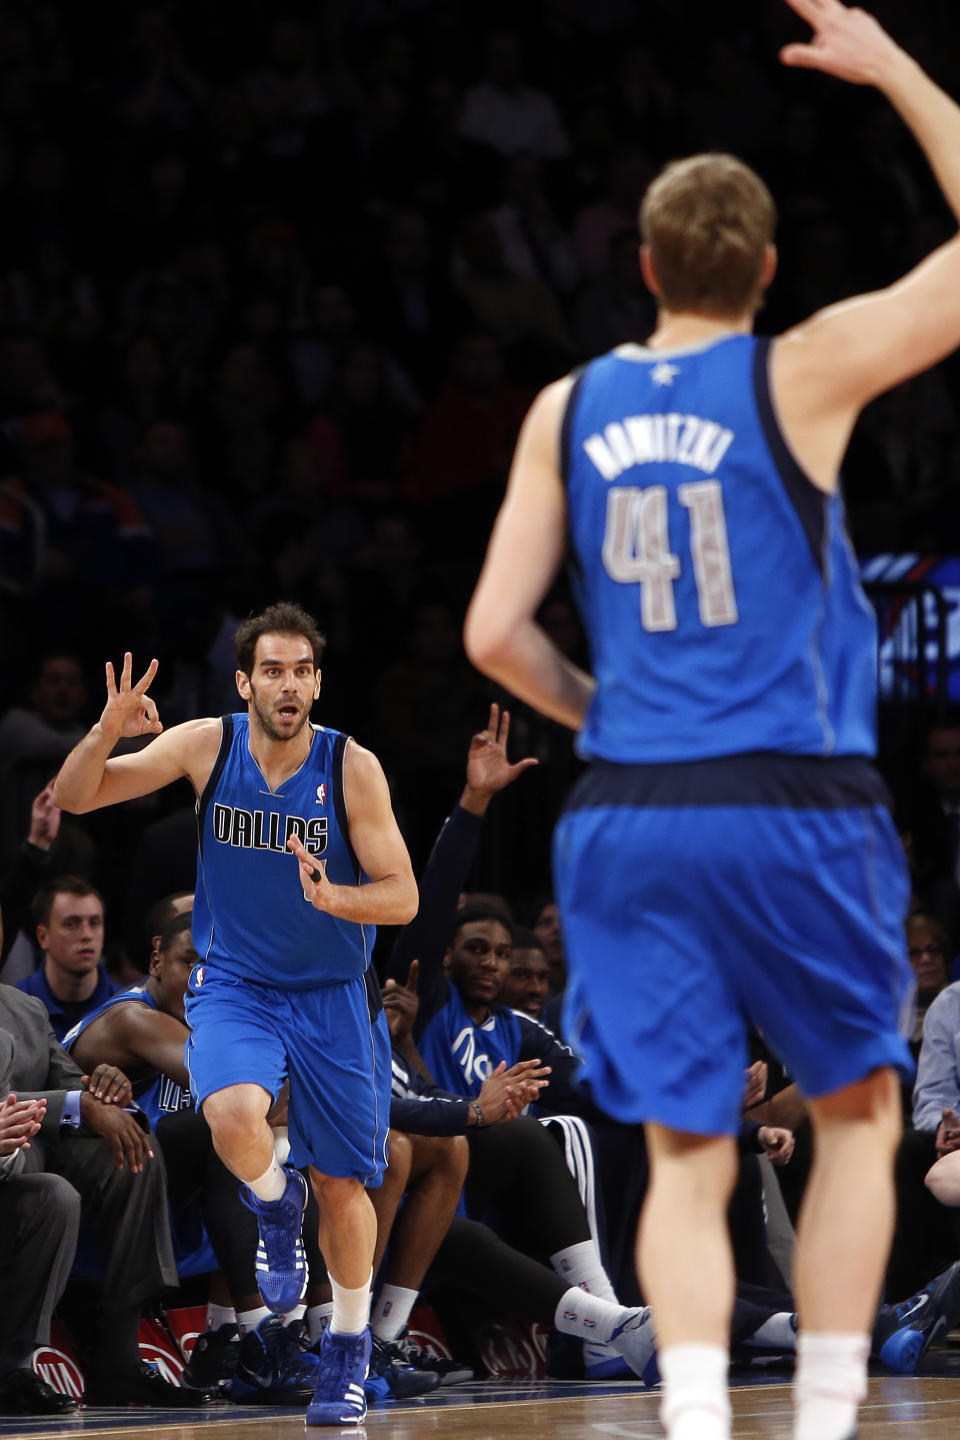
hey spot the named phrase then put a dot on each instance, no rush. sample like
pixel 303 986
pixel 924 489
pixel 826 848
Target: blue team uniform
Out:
pixel 283 991
pixel 729 852
pixel 157 1095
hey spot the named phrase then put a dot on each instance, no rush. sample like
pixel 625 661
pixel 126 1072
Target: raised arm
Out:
pixel 89 779
pixel 501 635
pixel 827 369
pixel 390 896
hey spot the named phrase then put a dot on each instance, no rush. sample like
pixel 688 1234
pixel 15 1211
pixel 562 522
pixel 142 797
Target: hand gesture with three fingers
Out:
pixel 129 710
pixel 488 769
pixel 847 43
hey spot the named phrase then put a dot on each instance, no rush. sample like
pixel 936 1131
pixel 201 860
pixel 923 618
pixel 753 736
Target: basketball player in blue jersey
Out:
pixel 729 853
pixel 300 858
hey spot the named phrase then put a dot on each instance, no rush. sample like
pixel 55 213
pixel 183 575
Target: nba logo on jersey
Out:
pixel 198 977
pixel 321 794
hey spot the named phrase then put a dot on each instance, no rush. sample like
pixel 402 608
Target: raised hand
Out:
pixel 129 710
pixel 488 769
pixel 847 43
pixel 44 819
pixel 401 1003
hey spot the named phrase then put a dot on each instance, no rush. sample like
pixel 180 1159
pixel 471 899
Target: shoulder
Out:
pixel 361 767
pixel 21 1005
pixel 946 1005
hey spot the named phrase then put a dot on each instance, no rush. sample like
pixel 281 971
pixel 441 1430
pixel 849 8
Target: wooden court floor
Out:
pixel 920 1407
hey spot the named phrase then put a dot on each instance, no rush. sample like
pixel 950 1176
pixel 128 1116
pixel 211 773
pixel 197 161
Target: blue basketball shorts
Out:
pixel 686 923
pixel 331 1043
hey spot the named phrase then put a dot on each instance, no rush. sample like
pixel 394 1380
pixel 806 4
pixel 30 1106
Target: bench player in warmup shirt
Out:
pixel 300 858
pixel 729 852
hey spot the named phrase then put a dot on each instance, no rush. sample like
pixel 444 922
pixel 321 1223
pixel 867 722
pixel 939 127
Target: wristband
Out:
pixel 478 1112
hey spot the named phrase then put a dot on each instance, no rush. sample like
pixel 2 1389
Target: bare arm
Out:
pixel 390 896
pixel 827 369
pixel 135 1038
pixel 526 550
pixel 89 779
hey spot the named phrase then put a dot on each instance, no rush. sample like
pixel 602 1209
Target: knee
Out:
pixel 61 1200
pixel 447 1155
pixel 400 1151
pixel 232 1113
pixel 943 1180
pixel 335 1194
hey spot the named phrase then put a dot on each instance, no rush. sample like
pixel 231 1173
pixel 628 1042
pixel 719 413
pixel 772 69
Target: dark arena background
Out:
pixel 278 283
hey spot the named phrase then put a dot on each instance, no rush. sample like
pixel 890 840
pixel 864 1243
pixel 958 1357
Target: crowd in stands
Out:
pixel 277 285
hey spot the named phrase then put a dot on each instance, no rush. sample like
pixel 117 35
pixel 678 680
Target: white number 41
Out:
pixel 636 550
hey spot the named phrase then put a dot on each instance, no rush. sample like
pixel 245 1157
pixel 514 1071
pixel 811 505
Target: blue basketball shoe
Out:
pixel 281 1259
pixel 339 1398
pixel 919 1321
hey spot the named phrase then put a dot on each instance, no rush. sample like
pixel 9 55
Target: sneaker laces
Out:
pixel 337 1358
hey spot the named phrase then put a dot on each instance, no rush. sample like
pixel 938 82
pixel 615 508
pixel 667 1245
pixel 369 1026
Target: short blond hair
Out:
pixel 707 221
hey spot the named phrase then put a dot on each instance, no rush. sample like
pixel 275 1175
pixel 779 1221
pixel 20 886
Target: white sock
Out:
pixel 830 1382
pixel 391 1311
pixel 250 1319
pixel 297 1313
pixel 696 1402
pixel 271 1184
pixel 218 1315
pixel 588 1316
pixel 581 1265
pixel 318 1318
pixel 777 1333
pixel 351 1308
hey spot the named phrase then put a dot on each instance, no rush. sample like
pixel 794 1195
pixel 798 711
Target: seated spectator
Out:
pixel 72 979
pixel 928 947
pixel 926 1234
pixel 40 1217
pixel 103 1153
pixel 528 981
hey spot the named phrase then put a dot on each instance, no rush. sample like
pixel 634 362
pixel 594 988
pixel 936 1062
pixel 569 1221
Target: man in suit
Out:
pixel 39 1218
pixel 89 1139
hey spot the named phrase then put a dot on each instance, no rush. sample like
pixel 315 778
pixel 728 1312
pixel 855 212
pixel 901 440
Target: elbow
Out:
pixel 484 644
pixel 63 801
pixel 409 907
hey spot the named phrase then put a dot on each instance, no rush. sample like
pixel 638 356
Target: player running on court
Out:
pixel 730 850
pixel 284 988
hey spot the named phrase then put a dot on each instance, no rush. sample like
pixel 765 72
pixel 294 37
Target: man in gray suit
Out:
pixel 93 1143
pixel 39 1218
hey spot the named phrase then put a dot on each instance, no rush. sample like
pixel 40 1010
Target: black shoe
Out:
pixel 22 1392
pixel 143 1385
pixel 213 1359
pixel 391 1377
pixel 451 1372
pixel 273 1369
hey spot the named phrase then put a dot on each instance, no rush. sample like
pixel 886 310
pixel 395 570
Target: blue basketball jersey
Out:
pixel 717 584
pixel 250 919
pixel 157 1095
